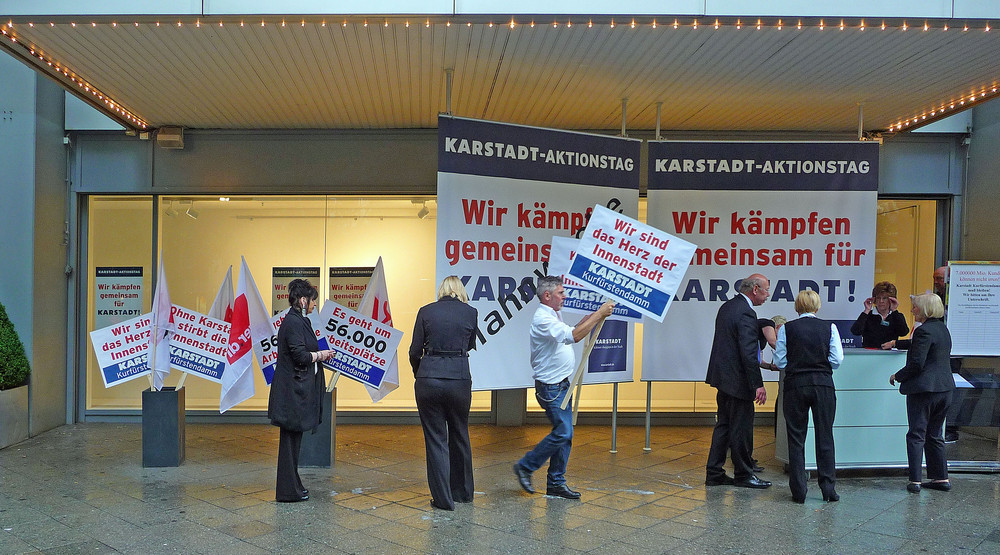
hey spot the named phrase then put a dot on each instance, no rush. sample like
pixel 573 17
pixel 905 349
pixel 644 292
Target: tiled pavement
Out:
pixel 82 489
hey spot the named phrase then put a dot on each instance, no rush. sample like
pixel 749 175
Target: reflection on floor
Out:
pixel 81 489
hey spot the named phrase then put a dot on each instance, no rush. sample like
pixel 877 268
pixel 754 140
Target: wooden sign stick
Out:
pixel 577 381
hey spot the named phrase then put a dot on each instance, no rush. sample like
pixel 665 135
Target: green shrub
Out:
pixel 14 367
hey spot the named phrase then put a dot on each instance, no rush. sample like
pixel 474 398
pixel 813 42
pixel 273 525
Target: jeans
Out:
pixel 554 447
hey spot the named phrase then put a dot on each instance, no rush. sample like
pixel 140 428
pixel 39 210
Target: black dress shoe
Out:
pixel 940 486
pixel 305 491
pixel 757 468
pixel 723 481
pixel 293 499
pixel 523 478
pixel 799 500
pixel 752 482
pixel 831 497
pixel 913 487
pixel 563 491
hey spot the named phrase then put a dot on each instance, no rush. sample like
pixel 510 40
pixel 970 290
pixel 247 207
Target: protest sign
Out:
pixel 198 344
pixel 121 350
pixel 580 298
pixel 266 347
pixel 635 264
pixel 363 347
pixel 117 294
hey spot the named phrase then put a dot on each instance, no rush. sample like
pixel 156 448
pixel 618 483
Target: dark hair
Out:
pixel 885 287
pixel 301 288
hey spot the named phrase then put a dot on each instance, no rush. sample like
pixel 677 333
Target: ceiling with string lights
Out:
pixel 752 74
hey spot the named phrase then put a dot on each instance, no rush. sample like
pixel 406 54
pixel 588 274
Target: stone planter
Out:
pixel 13 416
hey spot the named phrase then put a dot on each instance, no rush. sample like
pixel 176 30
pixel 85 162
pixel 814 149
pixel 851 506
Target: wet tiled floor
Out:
pixel 82 489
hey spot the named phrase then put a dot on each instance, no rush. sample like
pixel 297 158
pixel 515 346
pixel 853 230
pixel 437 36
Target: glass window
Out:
pixel 202 236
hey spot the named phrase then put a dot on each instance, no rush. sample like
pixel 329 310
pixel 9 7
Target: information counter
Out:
pixel 870 427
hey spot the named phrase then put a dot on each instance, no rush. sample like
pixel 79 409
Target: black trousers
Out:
pixel 288 486
pixel 734 433
pixel 444 406
pixel 925 413
pixel 797 401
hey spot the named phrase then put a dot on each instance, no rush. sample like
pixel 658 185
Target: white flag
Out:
pixel 158 351
pixel 237 378
pixel 375 303
pixel 222 306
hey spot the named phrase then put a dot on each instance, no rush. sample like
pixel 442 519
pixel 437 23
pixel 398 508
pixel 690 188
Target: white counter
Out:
pixel 870 427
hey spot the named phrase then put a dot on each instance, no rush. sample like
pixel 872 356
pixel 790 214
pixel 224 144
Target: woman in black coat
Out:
pixel 927 382
pixel 880 323
pixel 443 335
pixel 296 397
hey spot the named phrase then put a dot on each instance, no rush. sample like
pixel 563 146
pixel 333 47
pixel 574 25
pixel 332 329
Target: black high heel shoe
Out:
pixel 831 497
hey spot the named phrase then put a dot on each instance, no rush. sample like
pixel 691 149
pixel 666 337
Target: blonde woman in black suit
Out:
pixel 443 335
pixel 927 382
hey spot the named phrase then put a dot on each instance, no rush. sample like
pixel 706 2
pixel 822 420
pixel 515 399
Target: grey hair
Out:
pixel 547 284
pixel 747 283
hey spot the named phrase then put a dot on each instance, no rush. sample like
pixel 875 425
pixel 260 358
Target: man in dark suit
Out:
pixel 734 370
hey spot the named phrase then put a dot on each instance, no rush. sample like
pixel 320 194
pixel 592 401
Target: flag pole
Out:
pixel 333 382
pixel 180 383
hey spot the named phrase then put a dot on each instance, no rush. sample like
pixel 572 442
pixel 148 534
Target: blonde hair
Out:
pixel 451 286
pixel 807 301
pixel 928 305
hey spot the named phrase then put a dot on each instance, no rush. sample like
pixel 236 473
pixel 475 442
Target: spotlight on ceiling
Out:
pixel 170 210
pixel 191 213
pixel 424 211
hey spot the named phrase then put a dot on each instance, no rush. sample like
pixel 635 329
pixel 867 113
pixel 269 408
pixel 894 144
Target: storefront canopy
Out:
pixel 811 74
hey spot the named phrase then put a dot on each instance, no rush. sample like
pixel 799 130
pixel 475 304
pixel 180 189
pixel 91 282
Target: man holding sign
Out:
pixel 734 370
pixel 553 362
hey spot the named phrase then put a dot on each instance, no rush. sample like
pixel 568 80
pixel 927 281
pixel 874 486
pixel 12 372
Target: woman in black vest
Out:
pixel 808 349
pixel 927 382
pixel 443 335
pixel 296 397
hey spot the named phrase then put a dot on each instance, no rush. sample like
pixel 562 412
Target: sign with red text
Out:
pixel 503 192
pixel 198 346
pixel 580 299
pixel 117 294
pixel 282 276
pixel 363 347
pixel 348 284
pixel 635 264
pixel 121 350
pixel 802 214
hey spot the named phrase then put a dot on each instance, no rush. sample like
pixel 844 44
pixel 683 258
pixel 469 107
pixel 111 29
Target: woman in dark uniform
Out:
pixel 884 324
pixel 927 382
pixel 808 349
pixel 296 397
pixel 443 335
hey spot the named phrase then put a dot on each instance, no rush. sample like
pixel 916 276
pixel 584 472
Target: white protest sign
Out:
pixel 633 263
pixel 117 294
pixel 121 350
pixel 580 297
pixel 198 346
pixel 363 347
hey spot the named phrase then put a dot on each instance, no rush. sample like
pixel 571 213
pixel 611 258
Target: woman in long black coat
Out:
pixel 296 397
pixel 443 335
pixel 927 382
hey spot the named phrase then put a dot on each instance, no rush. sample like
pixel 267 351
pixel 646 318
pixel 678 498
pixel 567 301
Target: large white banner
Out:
pixel 802 214
pixel 503 192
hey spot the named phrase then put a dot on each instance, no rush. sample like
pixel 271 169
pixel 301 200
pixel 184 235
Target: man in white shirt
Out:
pixel 553 362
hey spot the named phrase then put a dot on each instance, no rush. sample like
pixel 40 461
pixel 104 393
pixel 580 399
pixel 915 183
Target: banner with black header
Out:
pixel 504 191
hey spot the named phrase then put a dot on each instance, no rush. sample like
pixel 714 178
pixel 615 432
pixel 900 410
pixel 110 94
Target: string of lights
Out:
pixel 957 103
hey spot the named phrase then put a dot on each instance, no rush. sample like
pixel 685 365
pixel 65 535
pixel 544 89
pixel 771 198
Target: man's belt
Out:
pixel 437 353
